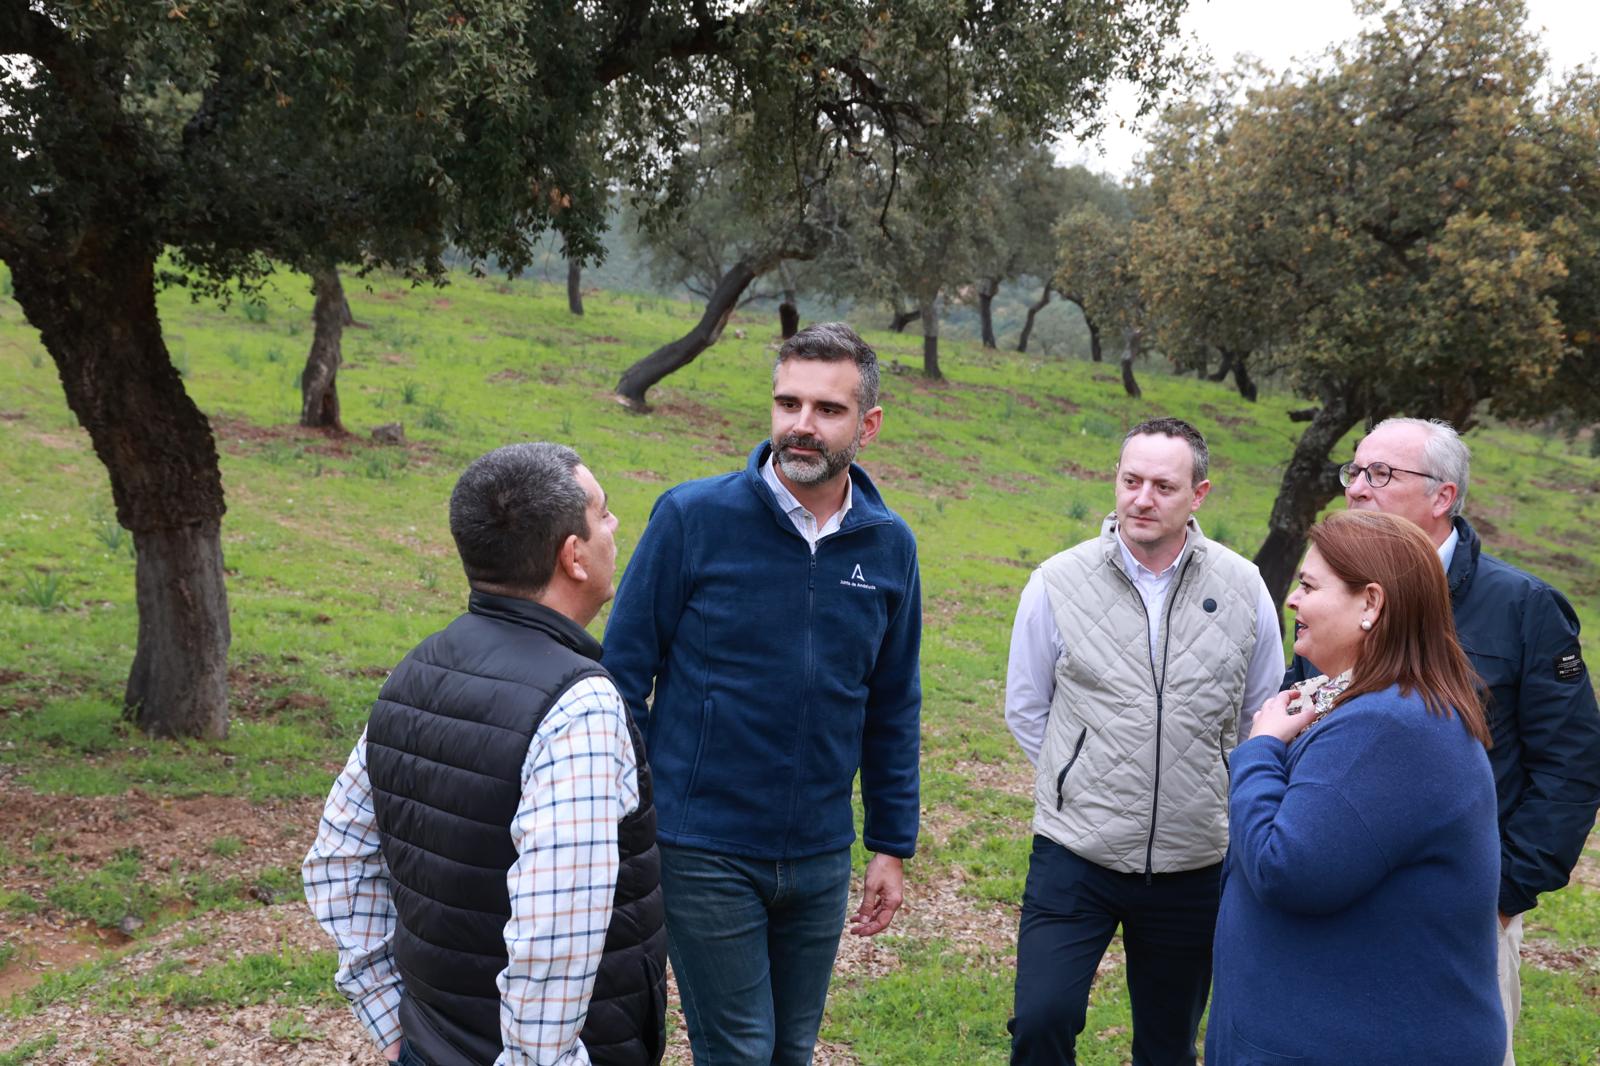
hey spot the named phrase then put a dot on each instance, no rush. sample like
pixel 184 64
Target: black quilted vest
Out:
pixel 445 747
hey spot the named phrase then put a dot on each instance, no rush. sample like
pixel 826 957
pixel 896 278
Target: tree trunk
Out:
pixel 96 314
pixel 902 319
pixel 987 289
pixel 1309 481
pixel 1241 377
pixel 319 383
pixel 574 287
pixel 1224 368
pixel 1027 325
pixel 930 342
pixel 1096 353
pixel 178 684
pixel 788 318
pixel 638 378
pixel 1132 339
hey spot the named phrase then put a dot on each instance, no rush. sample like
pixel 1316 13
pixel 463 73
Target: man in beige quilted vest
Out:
pixel 1136 661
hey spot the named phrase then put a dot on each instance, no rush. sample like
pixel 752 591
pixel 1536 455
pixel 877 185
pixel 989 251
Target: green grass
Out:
pixel 226 847
pixel 287 976
pixel 1559 1025
pixel 293 1029
pixel 28 1050
pixel 945 1006
pixel 1569 918
pixel 58 986
pixel 339 560
pixel 123 888
pixel 956 1010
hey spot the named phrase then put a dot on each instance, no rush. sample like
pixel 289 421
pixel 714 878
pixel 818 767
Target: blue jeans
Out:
pixel 409 1056
pixel 752 942
pixel 1070 909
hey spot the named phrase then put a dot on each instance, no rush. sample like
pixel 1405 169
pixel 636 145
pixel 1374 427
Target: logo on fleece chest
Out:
pixel 858 580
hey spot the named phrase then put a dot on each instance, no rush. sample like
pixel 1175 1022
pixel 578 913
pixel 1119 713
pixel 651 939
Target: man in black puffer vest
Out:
pixel 487 860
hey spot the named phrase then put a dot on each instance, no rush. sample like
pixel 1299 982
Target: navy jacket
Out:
pixel 777 673
pixel 1357 920
pixel 1522 638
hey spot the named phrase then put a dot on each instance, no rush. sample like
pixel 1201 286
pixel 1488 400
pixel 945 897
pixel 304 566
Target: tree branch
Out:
pixel 874 99
pixel 705 36
pixel 31 33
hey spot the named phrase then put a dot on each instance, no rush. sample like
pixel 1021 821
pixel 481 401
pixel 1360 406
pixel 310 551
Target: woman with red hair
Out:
pixel 1362 876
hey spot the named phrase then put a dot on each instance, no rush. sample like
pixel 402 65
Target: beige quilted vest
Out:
pixel 1134 775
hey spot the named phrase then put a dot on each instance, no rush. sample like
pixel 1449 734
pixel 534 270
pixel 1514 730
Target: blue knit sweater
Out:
pixel 777 673
pixel 1358 906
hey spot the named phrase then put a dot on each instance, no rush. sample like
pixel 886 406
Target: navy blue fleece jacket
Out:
pixel 777 673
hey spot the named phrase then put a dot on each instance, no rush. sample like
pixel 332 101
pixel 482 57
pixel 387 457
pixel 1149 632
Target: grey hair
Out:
pixel 1444 453
pixel 833 342
pixel 511 511
pixel 1176 427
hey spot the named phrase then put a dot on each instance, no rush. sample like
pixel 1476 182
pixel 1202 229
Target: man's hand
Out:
pixel 881 895
pixel 392 1052
pixel 1505 919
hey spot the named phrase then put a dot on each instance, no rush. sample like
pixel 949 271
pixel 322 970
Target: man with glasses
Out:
pixel 1522 637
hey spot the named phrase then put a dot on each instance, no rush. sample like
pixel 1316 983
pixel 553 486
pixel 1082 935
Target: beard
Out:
pixel 814 470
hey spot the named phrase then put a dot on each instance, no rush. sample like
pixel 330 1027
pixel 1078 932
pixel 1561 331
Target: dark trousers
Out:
pixel 1070 910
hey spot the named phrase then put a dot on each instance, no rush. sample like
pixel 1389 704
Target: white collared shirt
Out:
pixel 1152 587
pixel 1447 550
pixel 804 521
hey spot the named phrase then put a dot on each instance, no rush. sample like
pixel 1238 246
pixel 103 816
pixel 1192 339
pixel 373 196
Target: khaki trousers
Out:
pixel 1511 979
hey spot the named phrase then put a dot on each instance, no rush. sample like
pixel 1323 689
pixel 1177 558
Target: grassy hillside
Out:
pixel 150 889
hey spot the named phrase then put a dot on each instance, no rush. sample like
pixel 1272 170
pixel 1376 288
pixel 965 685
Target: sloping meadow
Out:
pixel 133 869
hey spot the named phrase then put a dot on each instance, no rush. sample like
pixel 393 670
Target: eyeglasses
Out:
pixel 1378 474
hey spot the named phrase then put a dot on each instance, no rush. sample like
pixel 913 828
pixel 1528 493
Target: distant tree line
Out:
pixel 1409 225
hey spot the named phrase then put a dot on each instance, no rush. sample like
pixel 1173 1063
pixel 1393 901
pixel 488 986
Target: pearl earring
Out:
pixel 1366 623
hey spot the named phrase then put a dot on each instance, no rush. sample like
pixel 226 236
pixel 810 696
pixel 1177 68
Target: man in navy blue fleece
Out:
pixel 776 612
pixel 1522 638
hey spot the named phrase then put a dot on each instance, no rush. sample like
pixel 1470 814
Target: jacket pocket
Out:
pixel 1061 778
pixel 700 746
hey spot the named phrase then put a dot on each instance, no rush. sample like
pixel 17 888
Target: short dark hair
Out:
pixel 511 511
pixel 832 342
pixel 1176 427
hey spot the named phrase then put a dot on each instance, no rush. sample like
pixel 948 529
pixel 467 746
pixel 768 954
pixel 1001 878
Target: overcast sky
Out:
pixel 1278 32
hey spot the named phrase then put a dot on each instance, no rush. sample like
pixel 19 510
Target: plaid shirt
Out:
pixel 578 781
